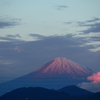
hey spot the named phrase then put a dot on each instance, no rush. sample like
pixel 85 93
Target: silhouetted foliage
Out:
pixel 39 93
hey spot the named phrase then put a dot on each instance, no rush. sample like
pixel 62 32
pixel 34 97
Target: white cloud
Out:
pixel 94 85
pixel 6 62
pixel 90 86
pixel 95 49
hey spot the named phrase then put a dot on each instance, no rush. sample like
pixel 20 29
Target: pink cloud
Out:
pixel 95 78
pixel 94 85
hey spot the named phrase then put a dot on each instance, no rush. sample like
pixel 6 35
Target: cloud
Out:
pixel 37 36
pixel 95 78
pixel 14 36
pixel 92 28
pixel 95 38
pixel 90 86
pixel 8 22
pixel 95 49
pixel 94 85
pixel 93 20
pixel 30 55
pixel 95 44
pixel 61 7
pixel 90 33
pixel 11 38
pixel 88 22
pixel 92 25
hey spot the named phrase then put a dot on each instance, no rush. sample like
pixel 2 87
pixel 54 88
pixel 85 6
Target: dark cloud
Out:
pixel 93 20
pixel 92 26
pixel 11 38
pixel 95 38
pixel 91 33
pixel 7 22
pixel 37 36
pixel 61 7
pixel 19 58
pixel 88 22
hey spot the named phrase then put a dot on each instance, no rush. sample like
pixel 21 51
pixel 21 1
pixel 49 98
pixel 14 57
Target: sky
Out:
pixel 33 32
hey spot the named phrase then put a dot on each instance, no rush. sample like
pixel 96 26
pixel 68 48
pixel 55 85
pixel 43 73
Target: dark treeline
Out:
pixel 39 93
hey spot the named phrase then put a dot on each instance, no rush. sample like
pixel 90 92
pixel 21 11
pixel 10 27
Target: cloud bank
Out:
pixel 8 22
pixel 27 56
pixel 94 85
pixel 90 33
pixel 18 57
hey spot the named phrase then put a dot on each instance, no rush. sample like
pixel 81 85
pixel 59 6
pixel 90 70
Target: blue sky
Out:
pixel 46 17
pixel 33 31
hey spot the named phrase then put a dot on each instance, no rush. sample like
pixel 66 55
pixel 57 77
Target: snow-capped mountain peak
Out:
pixel 55 74
pixel 62 65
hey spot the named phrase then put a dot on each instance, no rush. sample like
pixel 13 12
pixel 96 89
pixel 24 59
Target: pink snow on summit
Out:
pixel 62 65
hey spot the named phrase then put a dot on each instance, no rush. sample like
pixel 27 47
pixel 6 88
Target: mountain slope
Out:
pixel 75 91
pixel 39 93
pixel 36 93
pixel 62 65
pixel 55 74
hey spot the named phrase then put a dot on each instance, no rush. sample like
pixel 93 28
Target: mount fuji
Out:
pixel 55 74
pixel 62 66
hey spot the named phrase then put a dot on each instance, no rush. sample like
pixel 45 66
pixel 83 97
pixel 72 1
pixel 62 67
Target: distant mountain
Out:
pixel 75 91
pixel 55 74
pixel 38 93
pixel 62 66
